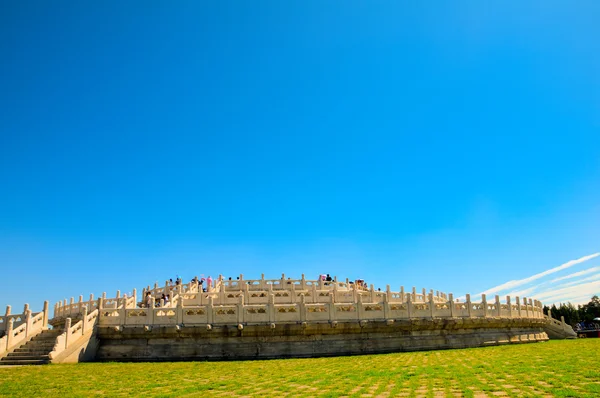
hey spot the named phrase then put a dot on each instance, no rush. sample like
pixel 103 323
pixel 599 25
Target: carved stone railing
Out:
pixel 72 333
pixel 72 308
pixel 20 328
pixel 208 313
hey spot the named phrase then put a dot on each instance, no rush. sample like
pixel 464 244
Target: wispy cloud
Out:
pixel 576 274
pixel 568 293
pixel 515 283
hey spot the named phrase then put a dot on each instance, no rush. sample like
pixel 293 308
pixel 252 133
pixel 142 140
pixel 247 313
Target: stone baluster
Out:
pixel 526 307
pixel 484 305
pixel 314 293
pixel 262 282
pixel 84 324
pixel 28 321
pixel 431 305
pixel 452 305
pixel 210 310
pixel 9 332
pixel 469 306
pixel 46 314
pixel 80 304
pixel 302 307
pixel 409 304
pixel 388 293
pixel 150 315
pixel 331 307
pixel 91 303
pixel 25 308
pixel 7 314
pixel 104 295
pixel 359 307
pixel 240 310
pixel 271 307
pixel 135 297
pixel 67 331
pixel 509 305
pixel 518 301
pixel 424 292
pixel 386 303
pixel 498 307
pixel 414 294
pixel 71 305
pixel 303 282
pixel 56 309
pixel 179 310
pixel 401 294
pixel 373 294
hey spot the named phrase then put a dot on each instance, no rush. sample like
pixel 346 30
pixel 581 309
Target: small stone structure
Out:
pixel 262 318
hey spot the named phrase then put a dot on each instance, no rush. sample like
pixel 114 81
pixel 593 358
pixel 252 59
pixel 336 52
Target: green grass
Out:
pixel 556 368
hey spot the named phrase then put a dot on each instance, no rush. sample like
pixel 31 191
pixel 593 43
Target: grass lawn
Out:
pixel 568 368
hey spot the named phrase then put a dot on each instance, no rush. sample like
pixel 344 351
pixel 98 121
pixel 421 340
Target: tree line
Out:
pixel 574 315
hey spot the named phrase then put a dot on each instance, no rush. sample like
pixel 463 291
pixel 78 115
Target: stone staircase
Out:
pixel 35 351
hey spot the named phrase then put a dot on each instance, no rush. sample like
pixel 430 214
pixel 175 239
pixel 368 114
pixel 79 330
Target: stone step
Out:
pixel 20 355
pixel 31 351
pixel 4 361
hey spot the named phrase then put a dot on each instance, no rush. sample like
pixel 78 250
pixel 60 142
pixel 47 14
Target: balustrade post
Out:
pixel 210 310
pixel 7 314
pixel 71 305
pixel 526 307
pixel 509 305
pixel 498 312
pixel 518 301
pixel 386 303
pixel 151 311
pixel 469 306
pixel 25 308
pixel 118 295
pixel 401 294
pixel 56 310
pixel 484 304
pixel 28 323
pixel 271 307
pixel 134 297
pixel 84 321
pixel 452 305
pixel 262 282
pixel 431 305
pixel 424 292
pixel 9 332
pixel 46 313
pixel 91 303
pixel 331 307
pixel 359 307
pixel 240 310
pixel 104 295
pixel 179 310
pixel 67 331
pixel 409 305
pixel 302 307
pixel 414 294
pixel 303 285
pixel 372 300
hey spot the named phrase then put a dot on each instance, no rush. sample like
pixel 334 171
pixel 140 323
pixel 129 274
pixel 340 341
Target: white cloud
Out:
pixel 576 274
pixel 582 289
pixel 520 282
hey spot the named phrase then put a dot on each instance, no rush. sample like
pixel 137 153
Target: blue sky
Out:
pixel 452 147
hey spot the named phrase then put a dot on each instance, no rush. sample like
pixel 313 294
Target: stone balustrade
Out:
pixel 22 327
pixel 73 333
pixel 273 312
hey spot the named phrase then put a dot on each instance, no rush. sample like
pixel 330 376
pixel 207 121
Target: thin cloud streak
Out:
pixel 515 283
pixel 576 274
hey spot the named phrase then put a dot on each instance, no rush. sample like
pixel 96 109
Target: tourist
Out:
pixel 209 283
pixel 148 300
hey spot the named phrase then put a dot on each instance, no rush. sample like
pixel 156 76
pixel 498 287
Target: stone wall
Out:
pixel 174 343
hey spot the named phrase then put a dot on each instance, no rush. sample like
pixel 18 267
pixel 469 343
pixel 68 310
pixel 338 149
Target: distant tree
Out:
pixel 590 310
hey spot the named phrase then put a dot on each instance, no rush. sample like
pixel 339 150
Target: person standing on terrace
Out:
pixel 209 283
